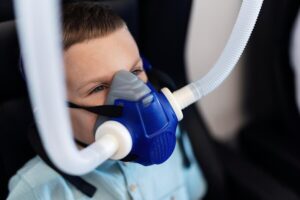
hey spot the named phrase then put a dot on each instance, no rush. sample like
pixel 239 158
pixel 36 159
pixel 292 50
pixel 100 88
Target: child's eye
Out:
pixel 137 71
pixel 98 89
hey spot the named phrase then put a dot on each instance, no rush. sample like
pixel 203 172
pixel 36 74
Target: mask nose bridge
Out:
pixel 127 86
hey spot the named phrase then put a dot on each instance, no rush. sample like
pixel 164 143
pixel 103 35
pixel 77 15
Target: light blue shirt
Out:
pixel 114 180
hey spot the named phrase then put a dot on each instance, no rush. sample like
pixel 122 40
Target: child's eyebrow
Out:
pixel 135 63
pixel 104 79
pixel 97 80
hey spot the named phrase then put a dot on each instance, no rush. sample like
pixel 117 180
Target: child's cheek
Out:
pixel 143 77
pixel 83 125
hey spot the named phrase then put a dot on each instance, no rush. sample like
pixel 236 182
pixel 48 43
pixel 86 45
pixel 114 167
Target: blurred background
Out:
pixel 211 23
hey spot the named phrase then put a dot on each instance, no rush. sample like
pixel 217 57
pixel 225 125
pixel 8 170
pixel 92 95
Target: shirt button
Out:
pixel 132 187
pixel 172 198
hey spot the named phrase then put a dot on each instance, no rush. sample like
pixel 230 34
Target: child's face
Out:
pixel 90 67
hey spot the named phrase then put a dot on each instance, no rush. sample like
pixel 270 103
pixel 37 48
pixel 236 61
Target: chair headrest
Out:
pixel 6 10
pixel 12 84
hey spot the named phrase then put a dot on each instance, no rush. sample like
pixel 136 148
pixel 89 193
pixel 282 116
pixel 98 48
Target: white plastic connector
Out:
pixel 184 96
pixel 173 102
pixel 117 132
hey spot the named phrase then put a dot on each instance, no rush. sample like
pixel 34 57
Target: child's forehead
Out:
pixel 115 48
pixel 101 58
pixel 118 42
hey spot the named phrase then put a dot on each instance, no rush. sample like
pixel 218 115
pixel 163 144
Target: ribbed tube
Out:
pixel 232 52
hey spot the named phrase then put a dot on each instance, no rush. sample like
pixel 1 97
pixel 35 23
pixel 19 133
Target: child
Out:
pixel 97 44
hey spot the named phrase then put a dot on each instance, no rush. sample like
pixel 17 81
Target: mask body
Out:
pixel 148 117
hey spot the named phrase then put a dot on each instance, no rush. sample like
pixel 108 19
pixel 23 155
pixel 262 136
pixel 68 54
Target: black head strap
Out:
pixel 103 110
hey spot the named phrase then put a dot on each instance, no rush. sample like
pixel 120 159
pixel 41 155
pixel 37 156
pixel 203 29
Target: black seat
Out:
pixel 6 10
pixel 271 138
pixel 12 84
pixel 15 149
pixel 14 108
